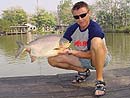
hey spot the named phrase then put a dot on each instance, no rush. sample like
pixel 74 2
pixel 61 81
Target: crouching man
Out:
pixel 90 51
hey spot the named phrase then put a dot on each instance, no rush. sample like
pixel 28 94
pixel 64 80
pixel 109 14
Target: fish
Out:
pixel 45 46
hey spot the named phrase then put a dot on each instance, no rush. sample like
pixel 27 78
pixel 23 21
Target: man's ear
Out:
pixel 90 13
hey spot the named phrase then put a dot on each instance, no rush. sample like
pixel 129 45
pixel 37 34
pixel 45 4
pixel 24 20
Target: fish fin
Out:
pixel 21 48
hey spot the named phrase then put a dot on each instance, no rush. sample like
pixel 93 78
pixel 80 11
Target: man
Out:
pixel 89 51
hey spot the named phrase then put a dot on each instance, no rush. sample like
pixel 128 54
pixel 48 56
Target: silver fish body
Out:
pixel 40 47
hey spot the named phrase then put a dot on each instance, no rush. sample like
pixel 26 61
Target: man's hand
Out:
pixel 63 51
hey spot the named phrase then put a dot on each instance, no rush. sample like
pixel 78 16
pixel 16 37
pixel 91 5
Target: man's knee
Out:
pixel 97 43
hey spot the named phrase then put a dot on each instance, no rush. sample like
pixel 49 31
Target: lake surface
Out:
pixel 118 45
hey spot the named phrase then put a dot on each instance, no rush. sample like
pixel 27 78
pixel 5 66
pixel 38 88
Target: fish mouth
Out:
pixel 56 48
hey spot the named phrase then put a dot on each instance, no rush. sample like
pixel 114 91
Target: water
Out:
pixel 118 44
pixel 119 47
pixel 22 66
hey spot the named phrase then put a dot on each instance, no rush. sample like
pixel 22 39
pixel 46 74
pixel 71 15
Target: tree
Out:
pixel 4 25
pixel 64 12
pixel 16 16
pixel 12 16
pixel 43 18
pixel 113 14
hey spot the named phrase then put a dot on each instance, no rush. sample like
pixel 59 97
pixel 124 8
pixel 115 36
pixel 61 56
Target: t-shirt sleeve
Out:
pixel 70 30
pixel 96 31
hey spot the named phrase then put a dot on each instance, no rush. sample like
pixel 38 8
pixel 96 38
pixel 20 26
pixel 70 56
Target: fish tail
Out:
pixel 21 48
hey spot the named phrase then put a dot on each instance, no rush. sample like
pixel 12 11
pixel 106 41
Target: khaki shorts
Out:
pixel 86 63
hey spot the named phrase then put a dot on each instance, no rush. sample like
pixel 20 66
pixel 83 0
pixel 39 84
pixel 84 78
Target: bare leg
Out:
pixel 98 51
pixel 68 62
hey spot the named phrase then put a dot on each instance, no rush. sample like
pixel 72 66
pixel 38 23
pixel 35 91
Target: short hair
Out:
pixel 79 5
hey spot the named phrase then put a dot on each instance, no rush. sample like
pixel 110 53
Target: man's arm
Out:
pixel 81 54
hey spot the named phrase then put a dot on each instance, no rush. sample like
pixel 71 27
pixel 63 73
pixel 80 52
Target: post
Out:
pixel 29 37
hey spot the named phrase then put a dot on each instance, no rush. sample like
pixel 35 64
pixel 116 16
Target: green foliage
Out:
pixel 16 16
pixel 43 18
pixel 12 16
pixel 113 14
pixel 4 25
pixel 64 12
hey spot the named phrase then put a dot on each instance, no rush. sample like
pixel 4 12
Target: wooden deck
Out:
pixel 60 86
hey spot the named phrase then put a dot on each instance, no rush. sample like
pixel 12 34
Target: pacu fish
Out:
pixel 45 46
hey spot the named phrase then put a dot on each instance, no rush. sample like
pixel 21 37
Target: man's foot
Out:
pixel 82 76
pixel 100 88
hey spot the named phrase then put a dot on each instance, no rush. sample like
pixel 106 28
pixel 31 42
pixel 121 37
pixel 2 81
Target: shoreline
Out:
pixel 60 86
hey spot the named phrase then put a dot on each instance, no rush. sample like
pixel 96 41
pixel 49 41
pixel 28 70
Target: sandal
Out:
pixel 82 76
pixel 100 86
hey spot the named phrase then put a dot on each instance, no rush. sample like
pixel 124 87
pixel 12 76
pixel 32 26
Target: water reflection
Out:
pixel 118 45
pixel 8 47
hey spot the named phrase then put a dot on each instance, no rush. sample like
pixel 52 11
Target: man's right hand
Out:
pixel 63 51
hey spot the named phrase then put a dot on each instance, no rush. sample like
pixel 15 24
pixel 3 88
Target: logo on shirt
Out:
pixel 80 43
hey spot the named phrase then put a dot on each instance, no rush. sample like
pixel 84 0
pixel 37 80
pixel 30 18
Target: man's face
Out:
pixel 82 17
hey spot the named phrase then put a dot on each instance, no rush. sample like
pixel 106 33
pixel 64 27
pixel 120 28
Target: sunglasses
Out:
pixel 81 15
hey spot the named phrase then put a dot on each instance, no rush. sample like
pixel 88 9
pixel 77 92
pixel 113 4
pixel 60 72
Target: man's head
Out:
pixel 81 14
